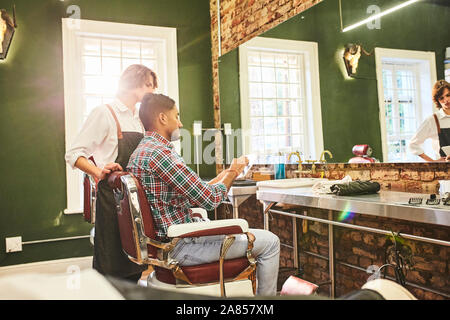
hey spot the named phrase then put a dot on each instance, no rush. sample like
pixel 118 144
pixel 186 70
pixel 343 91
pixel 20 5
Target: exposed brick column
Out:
pixel 240 21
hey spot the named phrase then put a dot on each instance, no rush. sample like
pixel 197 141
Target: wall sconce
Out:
pixel 7 29
pixel 352 53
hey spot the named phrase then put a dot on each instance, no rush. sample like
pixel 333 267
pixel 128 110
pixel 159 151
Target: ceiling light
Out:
pixel 379 15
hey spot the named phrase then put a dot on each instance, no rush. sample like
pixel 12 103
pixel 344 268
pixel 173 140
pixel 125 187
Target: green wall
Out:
pixel 33 191
pixel 350 110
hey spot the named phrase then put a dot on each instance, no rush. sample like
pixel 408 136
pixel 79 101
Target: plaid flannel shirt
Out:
pixel 171 187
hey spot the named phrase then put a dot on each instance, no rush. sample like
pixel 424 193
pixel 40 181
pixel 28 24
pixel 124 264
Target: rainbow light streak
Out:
pixel 346 215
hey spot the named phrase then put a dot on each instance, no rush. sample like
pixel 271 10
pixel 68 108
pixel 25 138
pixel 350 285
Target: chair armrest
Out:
pixel 114 179
pixel 209 228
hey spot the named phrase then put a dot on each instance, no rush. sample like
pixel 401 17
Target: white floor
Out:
pixel 46 267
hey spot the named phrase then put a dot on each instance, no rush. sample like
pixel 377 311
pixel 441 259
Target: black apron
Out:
pixel 444 137
pixel 109 258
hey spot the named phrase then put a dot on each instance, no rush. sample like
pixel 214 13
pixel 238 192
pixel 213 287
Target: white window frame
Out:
pixel 71 30
pixel 428 76
pixel 312 103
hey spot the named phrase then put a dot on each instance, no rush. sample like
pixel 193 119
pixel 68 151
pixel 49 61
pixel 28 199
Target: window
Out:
pixel 280 97
pixel 95 54
pixel 405 79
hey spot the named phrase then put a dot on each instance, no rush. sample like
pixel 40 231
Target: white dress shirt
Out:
pixel 428 130
pixel 98 136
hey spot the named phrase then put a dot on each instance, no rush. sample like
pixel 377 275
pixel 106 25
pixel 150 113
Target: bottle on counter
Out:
pixel 279 167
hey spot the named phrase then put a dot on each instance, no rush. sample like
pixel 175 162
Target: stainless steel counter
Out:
pixel 389 204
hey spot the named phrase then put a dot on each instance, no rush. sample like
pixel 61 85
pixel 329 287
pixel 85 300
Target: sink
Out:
pixel 289 183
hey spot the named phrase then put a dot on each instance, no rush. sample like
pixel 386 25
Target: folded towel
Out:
pixel 324 186
pixel 355 188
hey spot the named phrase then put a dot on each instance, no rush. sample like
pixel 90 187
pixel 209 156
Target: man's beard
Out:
pixel 176 135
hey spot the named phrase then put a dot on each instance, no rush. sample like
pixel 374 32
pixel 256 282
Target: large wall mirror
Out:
pixel 290 88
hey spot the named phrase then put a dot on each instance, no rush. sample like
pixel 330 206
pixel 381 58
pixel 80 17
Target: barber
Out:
pixel 110 134
pixel 172 188
pixel 436 127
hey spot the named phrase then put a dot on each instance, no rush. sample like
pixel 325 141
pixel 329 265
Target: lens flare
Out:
pixel 346 215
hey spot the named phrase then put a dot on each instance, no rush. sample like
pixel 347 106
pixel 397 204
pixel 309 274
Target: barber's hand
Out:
pixel 239 164
pixel 447 159
pixel 107 169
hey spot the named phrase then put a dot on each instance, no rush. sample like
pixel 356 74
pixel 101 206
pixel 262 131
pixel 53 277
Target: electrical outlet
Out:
pixel 13 244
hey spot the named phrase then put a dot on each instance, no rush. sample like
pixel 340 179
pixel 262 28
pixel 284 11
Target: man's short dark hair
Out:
pixel 151 106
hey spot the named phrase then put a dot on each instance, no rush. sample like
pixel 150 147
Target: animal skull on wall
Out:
pixel 7 27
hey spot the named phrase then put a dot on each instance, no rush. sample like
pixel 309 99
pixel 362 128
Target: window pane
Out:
pixel 271 143
pixel 131 49
pixel 270 126
pixel 283 91
pixel 407 110
pixel 267 59
pixel 269 108
pixel 268 74
pixel 284 142
pixel 293 60
pixel 150 64
pixel 111 66
pixel 92 65
pixel 269 90
pixel 148 51
pixel 254 74
pixel 281 60
pixel 283 108
pixel 255 90
pixel 294 75
pixel 282 75
pixel 128 62
pixel 256 108
pixel 294 106
pixel 90 46
pixel 100 85
pixel 408 125
pixel 257 126
pixel 111 48
pixel 294 91
pixel 90 103
pixel 254 58
pixel 284 126
pixel 297 125
pixel 257 143
pixel 388 109
pixel 297 142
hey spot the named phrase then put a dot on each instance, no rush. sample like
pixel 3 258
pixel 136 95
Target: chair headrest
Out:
pixel 114 179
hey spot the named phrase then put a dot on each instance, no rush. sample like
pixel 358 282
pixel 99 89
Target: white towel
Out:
pixel 324 186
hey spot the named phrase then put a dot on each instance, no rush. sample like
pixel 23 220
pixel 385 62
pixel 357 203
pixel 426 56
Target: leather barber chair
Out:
pixel 224 278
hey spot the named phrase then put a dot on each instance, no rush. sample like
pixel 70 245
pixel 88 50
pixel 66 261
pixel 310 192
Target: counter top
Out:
pixel 389 204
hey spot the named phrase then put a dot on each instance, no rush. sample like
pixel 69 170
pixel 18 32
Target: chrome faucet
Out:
pixel 299 168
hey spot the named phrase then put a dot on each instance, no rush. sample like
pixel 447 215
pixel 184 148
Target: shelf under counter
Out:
pixel 388 204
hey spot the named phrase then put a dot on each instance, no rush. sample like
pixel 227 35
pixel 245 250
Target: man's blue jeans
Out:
pixel 193 251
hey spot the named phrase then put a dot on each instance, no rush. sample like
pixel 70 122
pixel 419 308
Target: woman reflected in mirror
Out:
pixel 436 127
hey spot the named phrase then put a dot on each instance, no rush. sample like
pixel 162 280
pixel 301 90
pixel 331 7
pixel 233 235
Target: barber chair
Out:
pixel 224 278
pixel 362 154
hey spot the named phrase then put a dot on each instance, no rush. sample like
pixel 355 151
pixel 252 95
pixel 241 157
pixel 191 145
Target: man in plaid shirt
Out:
pixel 172 188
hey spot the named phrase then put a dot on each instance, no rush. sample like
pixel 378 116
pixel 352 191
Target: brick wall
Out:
pixel 356 250
pixel 240 21
pixel 410 177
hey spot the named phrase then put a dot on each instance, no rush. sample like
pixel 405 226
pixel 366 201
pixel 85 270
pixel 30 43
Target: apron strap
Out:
pixel 119 130
pixel 437 124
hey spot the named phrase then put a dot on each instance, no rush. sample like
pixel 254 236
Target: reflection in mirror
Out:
pixel 381 105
